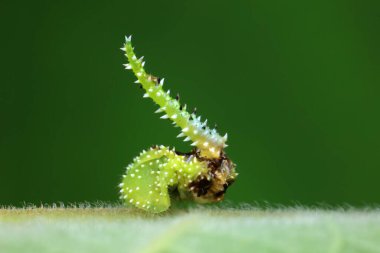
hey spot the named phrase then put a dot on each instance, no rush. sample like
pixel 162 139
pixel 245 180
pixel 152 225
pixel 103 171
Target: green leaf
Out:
pixel 191 229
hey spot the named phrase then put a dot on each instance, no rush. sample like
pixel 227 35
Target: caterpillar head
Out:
pixel 213 184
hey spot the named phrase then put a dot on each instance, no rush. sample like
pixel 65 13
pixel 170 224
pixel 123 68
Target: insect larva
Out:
pixel 203 175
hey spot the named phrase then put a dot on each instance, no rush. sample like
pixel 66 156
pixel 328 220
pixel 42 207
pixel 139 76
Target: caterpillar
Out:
pixel 160 173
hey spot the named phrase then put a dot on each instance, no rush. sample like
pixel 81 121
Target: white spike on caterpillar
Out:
pixel 128 39
pixel 159 110
pixel 194 143
pixel 202 174
pixel 181 135
pixel 127 66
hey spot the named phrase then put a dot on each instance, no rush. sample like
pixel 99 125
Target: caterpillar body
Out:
pixel 202 175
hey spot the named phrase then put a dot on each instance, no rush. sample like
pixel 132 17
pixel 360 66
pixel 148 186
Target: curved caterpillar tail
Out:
pixel 202 175
pixel 208 141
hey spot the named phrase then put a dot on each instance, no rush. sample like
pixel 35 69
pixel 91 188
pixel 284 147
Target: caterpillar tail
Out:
pixel 208 141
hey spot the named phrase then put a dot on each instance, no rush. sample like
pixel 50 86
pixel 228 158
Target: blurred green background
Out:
pixel 295 84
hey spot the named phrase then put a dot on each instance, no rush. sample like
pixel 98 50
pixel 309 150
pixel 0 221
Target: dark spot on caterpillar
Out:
pixel 203 186
pixel 200 187
pixel 177 97
pixel 180 107
pixel 140 86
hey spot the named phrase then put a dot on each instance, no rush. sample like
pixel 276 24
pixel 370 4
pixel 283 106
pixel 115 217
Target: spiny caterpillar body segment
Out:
pixel 202 175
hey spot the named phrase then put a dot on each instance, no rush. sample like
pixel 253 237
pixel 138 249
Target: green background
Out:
pixel 295 84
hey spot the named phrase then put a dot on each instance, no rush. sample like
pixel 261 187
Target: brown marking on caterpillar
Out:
pixel 154 79
pixel 213 186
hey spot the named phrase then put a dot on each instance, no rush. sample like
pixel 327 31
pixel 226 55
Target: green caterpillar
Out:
pixel 202 175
